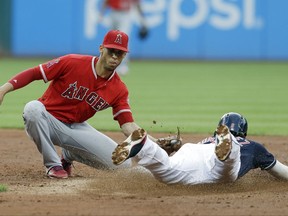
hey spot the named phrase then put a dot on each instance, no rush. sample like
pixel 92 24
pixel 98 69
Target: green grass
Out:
pixel 3 188
pixel 191 95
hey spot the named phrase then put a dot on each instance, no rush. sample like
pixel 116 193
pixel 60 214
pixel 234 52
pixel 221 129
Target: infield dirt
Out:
pixel 130 192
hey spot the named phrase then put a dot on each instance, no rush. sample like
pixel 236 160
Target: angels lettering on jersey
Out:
pixel 93 99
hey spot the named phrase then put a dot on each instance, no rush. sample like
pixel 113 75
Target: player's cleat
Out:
pixel 57 172
pixel 130 147
pixel 67 166
pixel 223 142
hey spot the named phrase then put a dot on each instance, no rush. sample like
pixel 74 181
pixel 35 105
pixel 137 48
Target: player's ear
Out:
pixel 101 49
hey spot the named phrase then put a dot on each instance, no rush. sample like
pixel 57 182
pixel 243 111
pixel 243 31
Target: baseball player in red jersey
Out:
pixel 121 18
pixel 80 86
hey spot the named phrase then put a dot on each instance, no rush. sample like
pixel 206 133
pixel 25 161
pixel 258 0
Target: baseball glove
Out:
pixel 171 144
pixel 143 32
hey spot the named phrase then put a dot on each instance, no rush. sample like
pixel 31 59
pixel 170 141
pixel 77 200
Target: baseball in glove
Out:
pixel 171 144
pixel 143 32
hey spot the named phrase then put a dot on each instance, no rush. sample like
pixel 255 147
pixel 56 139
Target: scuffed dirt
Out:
pixel 130 192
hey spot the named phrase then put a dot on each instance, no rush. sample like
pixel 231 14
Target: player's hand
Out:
pixel 143 32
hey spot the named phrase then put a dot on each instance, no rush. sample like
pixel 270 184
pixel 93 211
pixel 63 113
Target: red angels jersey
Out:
pixel 76 93
pixel 121 4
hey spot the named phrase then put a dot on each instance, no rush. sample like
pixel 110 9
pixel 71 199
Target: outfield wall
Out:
pixel 181 29
pixel 5 26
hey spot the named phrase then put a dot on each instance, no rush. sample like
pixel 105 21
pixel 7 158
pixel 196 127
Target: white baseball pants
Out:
pixel 191 164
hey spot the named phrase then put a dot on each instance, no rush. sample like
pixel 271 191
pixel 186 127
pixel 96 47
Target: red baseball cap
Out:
pixel 117 40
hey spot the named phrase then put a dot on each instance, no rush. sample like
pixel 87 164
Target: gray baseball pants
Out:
pixel 79 141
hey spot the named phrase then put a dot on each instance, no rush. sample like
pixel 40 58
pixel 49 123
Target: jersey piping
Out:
pixel 43 73
pixel 93 68
pixel 122 111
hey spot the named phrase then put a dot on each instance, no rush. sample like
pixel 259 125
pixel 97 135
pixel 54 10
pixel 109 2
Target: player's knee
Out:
pixel 33 111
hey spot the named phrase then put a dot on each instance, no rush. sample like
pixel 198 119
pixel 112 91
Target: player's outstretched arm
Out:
pixel 20 80
pixel 4 89
pixel 130 127
pixel 279 171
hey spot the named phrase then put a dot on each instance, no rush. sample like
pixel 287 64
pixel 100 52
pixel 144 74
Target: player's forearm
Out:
pixel 128 128
pixel 7 87
pixel 279 170
pixel 4 89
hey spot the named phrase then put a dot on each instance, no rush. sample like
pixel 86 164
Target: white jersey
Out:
pixel 191 164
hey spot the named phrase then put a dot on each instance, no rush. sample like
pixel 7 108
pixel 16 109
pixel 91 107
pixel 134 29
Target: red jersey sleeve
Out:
pixel 121 5
pixel 124 118
pixel 46 71
pixel 122 111
pixel 25 77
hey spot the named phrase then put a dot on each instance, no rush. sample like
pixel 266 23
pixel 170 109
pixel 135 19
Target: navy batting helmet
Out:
pixel 236 123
